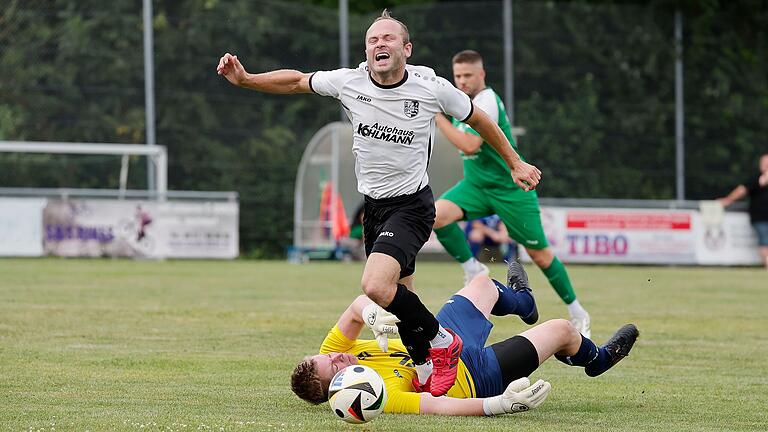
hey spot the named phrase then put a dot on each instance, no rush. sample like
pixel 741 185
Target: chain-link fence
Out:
pixel 594 87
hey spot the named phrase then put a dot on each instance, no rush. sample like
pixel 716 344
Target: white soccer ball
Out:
pixel 357 394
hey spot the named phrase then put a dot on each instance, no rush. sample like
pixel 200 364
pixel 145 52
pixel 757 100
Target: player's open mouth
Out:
pixel 381 56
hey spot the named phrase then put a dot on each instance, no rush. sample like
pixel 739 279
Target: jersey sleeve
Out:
pixel 486 101
pixel 329 83
pixel 452 100
pixel 335 341
pixel 399 402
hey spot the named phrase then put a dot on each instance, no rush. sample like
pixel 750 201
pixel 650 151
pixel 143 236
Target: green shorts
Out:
pixel 519 210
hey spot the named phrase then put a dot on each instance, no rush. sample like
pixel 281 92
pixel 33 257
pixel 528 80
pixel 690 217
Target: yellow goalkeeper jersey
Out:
pixel 397 369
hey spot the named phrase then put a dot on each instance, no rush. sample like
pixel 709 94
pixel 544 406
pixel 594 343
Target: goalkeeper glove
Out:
pixel 519 396
pixel 381 323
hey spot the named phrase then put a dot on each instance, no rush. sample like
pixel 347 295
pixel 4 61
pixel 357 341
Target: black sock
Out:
pixel 417 348
pixel 409 309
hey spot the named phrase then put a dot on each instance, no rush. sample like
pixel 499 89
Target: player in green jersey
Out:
pixel 487 189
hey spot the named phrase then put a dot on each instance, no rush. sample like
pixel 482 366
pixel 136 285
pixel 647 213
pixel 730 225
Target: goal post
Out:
pixel 156 153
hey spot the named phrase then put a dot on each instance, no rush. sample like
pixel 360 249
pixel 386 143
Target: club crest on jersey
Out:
pixel 411 108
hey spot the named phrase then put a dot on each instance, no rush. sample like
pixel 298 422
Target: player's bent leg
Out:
pixel 380 278
pixel 482 292
pixel 445 347
pixel 517 358
pixel 516 296
pixel 541 257
pixel 553 337
pixel 380 284
pixel 446 213
pixel 453 239
pixel 581 351
pixel 408 282
pixel 455 243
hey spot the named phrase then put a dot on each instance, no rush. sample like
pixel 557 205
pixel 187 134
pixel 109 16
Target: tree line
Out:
pixel 594 89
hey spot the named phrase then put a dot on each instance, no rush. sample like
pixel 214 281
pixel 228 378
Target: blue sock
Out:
pixel 597 360
pixel 474 247
pixel 512 302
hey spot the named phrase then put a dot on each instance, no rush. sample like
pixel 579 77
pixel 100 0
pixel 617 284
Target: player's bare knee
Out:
pixel 541 257
pixel 377 291
pixel 572 334
pixel 563 329
pixel 446 213
pixel 441 220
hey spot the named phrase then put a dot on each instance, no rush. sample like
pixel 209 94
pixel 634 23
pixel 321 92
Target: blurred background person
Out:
pixel 756 187
pixel 490 231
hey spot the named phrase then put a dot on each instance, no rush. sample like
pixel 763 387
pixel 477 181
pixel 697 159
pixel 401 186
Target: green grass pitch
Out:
pixel 209 346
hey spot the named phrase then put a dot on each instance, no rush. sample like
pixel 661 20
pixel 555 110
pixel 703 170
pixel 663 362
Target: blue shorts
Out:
pixel 461 316
pixel 762 233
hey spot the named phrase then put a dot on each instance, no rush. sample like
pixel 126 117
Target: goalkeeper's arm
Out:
pixel 351 322
pixel 519 396
pixel 363 311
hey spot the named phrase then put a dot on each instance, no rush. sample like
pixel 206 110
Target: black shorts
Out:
pixel 517 358
pixel 399 226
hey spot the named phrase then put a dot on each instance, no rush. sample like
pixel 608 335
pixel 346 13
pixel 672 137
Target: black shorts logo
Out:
pixel 411 108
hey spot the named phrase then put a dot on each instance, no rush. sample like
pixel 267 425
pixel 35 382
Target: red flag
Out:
pixel 340 224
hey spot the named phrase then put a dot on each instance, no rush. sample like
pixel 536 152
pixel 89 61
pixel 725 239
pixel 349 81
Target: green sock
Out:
pixel 453 240
pixel 558 278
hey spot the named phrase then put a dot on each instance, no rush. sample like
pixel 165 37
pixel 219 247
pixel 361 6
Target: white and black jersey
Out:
pixel 394 125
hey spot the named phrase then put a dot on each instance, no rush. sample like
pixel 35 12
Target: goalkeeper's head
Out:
pixel 311 378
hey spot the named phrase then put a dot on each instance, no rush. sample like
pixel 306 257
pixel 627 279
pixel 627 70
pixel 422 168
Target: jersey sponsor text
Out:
pixel 385 133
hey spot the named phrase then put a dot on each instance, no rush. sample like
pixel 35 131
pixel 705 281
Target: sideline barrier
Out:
pixel 644 236
pixel 119 228
pixel 21 227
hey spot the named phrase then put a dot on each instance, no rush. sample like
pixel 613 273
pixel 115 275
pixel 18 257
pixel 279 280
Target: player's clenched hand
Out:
pixel 231 68
pixel 519 396
pixel 526 175
pixel 381 323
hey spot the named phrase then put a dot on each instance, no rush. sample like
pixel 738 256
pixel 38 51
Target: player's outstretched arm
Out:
pixel 736 194
pixel 467 143
pixel 525 175
pixel 363 311
pixel 285 81
pixel 445 405
pixel 519 396
pixel 351 322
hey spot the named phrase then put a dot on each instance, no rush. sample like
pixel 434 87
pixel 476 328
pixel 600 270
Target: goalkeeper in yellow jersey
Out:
pixel 491 380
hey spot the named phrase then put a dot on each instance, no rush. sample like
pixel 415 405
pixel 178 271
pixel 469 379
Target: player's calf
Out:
pixel 598 360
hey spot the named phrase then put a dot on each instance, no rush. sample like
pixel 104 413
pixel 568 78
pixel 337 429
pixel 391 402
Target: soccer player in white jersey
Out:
pixel 392 107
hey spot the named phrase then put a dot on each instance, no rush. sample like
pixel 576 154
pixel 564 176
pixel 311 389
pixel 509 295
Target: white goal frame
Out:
pixel 156 153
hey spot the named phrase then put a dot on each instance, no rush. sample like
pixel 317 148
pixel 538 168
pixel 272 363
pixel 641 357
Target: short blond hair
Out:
pixel 386 16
